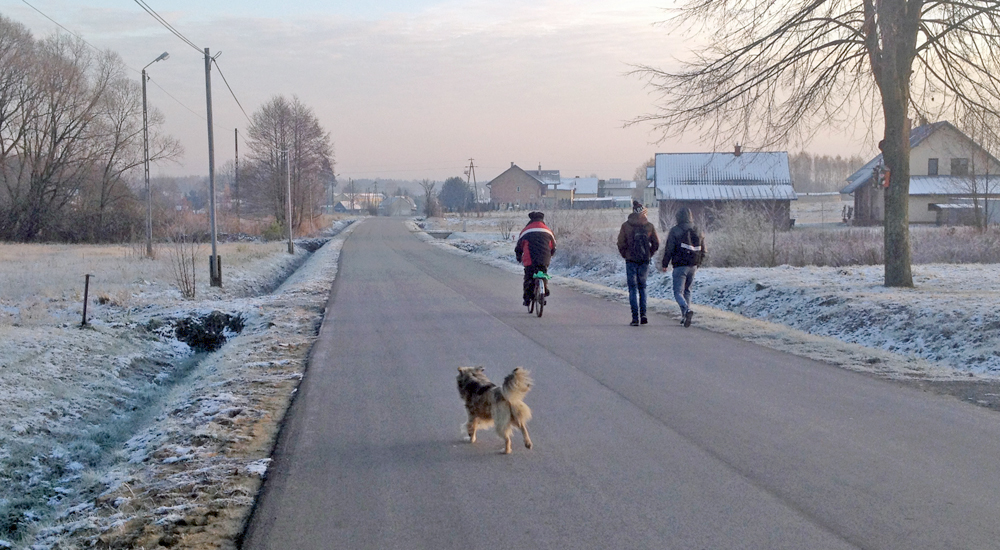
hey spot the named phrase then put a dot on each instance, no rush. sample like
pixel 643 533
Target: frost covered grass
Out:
pixel 121 435
pixel 44 283
pixel 945 328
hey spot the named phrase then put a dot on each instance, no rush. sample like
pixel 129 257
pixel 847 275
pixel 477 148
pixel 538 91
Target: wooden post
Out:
pixel 86 292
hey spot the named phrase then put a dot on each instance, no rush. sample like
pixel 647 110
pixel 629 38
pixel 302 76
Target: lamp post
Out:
pixel 145 157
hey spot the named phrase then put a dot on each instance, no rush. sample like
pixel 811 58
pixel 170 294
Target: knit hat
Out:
pixel 536 216
pixel 638 208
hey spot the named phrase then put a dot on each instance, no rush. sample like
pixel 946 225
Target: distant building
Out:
pixel 518 189
pixel 397 206
pixel 705 182
pixel 951 176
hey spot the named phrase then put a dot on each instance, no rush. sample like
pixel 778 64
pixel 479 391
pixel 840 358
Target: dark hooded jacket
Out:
pixel 685 221
pixel 636 220
pixel 535 245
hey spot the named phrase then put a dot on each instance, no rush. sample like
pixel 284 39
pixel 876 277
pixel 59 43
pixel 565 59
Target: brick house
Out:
pixel 517 189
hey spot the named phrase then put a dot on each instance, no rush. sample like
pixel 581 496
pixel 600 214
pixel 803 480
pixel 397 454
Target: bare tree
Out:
pixel 430 201
pixel 981 179
pixel 780 71
pixel 280 127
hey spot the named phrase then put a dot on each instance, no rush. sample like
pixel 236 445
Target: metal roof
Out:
pixel 726 192
pixel 749 168
pixel 586 186
pixel 954 185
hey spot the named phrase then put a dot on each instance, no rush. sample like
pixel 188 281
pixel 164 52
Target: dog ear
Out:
pixel 479 369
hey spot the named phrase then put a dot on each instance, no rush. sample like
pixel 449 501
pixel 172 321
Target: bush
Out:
pixel 273 232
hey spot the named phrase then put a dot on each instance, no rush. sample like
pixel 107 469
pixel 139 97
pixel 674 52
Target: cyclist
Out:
pixel 535 247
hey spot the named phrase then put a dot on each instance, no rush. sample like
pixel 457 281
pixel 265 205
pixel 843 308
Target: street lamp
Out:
pixel 145 156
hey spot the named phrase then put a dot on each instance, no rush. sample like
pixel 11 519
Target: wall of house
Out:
pixel 919 211
pixel 944 145
pixel 514 188
pixel 707 212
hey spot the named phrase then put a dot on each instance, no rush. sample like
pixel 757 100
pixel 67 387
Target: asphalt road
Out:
pixel 645 437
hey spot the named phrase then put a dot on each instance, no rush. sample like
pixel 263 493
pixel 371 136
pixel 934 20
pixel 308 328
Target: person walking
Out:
pixel 637 243
pixel 534 250
pixel 685 249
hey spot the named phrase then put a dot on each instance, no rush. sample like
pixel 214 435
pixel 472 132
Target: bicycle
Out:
pixel 537 301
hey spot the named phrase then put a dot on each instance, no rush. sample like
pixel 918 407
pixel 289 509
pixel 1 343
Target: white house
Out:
pixel 951 176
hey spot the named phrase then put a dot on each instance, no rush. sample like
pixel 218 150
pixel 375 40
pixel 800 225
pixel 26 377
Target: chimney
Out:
pixel 738 150
pixel 511 164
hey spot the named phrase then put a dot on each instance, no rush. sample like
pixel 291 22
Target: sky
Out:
pixel 407 89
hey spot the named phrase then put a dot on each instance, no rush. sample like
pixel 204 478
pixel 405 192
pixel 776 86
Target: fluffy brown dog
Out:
pixel 502 406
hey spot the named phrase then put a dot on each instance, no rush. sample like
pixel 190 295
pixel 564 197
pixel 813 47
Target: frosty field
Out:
pixel 121 434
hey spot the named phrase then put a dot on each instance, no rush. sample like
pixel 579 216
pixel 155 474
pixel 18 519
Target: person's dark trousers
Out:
pixel 636 277
pixel 683 279
pixel 529 278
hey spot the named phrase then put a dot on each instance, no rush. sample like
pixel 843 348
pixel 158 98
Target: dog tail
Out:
pixel 516 385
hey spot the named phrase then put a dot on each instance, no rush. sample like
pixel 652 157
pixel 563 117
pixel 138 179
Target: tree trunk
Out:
pixel 898 22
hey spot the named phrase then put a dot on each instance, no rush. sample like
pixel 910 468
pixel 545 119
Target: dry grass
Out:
pixel 586 238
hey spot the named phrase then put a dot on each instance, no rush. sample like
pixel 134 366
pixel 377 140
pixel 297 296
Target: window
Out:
pixel 518 188
pixel 932 167
pixel 960 167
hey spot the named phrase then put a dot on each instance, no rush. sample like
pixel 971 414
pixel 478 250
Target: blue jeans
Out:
pixel 635 275
pixel 683 278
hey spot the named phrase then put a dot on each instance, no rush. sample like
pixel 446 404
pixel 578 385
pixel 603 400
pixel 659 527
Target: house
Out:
pixel 706 182
pixel 951 179
pixel 516 188
pixel 397 206
pixel 617 187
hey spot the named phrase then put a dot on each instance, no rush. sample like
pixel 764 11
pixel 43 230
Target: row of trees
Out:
pixel 821 173
pixel 70 136
pixel 71 148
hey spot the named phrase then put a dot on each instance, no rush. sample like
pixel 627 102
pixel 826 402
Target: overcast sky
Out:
pixel 408 89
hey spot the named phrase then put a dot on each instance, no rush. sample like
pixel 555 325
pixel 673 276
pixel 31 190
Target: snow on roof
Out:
pixel 548 177
pixel 750 168
pixel 953 185
pixel 726 192
pixel 586 186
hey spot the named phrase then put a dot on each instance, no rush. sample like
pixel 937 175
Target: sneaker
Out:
pixel 643 321
pixel 687 318
pixel 634 323
pixel 525 302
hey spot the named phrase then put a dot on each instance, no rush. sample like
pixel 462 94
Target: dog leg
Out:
pixel 524 431
pixel 471 428
pixel 506 438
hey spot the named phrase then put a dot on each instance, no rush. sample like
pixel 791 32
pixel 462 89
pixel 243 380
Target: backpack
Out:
pixel 690 250
pixel 640 245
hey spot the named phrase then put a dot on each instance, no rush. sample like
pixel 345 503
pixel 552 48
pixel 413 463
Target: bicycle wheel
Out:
pixel 539 296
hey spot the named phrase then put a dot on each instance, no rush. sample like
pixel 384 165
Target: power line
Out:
pixel 231 92
pixel 168 26
pixel 64 28
pixel 179 102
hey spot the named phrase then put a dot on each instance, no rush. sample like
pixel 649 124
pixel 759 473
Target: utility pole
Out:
pixel 471 174
pixel 236 178
pixel 374 197
pixel 214 262
pixel 288 201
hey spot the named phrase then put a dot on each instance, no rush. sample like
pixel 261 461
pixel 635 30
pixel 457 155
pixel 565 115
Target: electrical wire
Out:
pixel 150 79
pixel 64 28
pixel 231 92
pixel 168 26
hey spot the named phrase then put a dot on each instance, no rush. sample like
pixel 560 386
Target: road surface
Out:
pixel 653 437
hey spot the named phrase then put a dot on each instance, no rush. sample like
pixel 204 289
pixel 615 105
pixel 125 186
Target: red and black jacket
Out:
pixel 535 245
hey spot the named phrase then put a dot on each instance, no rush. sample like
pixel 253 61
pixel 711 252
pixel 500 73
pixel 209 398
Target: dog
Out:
pixel 503 406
